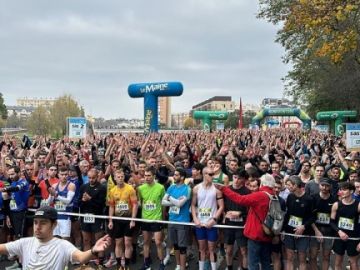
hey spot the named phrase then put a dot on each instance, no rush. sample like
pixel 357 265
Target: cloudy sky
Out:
pixel 93 49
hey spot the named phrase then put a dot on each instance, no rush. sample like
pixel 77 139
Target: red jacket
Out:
pixel 257 202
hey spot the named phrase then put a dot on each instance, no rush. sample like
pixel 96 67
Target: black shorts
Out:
pixel 95 227
pixel 276 247
pixel 76 210
pixel 349 246
pixel 17 220
pixel 151 227
pixel 121 229
pixel 232 235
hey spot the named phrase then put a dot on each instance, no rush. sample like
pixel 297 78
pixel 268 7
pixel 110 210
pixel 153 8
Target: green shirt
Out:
pixel 151 197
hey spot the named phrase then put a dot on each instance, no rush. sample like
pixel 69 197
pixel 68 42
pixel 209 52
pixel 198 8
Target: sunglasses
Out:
pixel 210 174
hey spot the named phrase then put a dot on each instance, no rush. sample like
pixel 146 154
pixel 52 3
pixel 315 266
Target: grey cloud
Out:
pixel 95 49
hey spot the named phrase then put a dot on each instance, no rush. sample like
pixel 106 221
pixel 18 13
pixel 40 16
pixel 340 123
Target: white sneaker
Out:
pixel 166 259
pixel 177 267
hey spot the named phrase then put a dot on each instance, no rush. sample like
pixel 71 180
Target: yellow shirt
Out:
pixel 122 199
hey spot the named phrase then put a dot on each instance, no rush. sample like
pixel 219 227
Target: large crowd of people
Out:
pixel 194 181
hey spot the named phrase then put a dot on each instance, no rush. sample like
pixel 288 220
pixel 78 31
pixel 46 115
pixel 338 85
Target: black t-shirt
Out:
pixel 231 206
pixel 322 213
pixel 347 218
pixel 98 197
pixel 299 212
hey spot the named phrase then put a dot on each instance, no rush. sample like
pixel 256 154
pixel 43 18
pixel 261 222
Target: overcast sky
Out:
pixel 94 49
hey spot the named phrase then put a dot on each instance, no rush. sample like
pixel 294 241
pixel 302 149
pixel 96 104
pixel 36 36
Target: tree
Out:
pixel 64 107
pixel 15 121
pixel 189 123
pixel 3 110
pixel 233 119
pixel 321 39
pixel 39 122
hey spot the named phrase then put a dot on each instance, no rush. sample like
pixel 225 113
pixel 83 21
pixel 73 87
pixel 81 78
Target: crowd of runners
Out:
pixel 199 178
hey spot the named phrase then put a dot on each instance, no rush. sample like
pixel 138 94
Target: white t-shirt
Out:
pixel 53 255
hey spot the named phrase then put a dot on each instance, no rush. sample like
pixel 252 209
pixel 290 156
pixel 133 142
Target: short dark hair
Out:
pixel 346 185
pixel 296 180
pixel 16 168
pixel 181 171
pixel 150 169
pixel 198 166
pixel 241 174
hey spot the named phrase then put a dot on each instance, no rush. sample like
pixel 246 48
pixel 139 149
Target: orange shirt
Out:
pixel 122 199
pixel 44 189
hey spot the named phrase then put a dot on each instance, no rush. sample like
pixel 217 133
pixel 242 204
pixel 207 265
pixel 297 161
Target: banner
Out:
pixel 353 137
pixel 76 127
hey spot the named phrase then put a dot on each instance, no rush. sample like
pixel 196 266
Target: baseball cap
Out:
pixel 348 158
pixel 325 181
pixel 46 212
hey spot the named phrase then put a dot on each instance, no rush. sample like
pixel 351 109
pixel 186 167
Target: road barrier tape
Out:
pixel 187 224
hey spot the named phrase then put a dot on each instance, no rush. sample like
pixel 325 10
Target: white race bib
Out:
pixel 121 206
pixel 174 210
pixel 59 206
pixel 89 218
pixel 346 223
pixel 44 203
pixel 149 206
pixel 239 219
pixel 323 218
pixel 204 214
pixel 13 205
pixel 295 221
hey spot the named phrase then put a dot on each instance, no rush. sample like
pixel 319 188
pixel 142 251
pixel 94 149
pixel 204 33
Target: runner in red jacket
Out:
pixel 259 245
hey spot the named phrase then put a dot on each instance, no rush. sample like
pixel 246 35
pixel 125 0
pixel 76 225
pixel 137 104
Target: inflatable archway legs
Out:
pixel 337 117
pixel 150 92
pixel 207 116
pixel 306 120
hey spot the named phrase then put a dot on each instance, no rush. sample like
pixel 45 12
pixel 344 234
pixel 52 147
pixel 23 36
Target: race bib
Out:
pixel 149 206
pixel 174 210
pixel 204 214
pixel 323 218
pixel 121 206
pixel 60 206
pixel 295 221
pixel 88 218
pixel 13 205
pixel 239 219
pixel 346 223
pixel 44 203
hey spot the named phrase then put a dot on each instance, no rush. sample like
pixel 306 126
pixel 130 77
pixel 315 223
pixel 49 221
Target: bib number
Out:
pixel 323 218
pixel 59 206
pixel 295 221
pixel 204 214
pixel 13 205
pixel 121 206
pixel 44 203
pixel 174 210
pixel 239 219
pixel 150 206
pixel 89 219
pixel 346 223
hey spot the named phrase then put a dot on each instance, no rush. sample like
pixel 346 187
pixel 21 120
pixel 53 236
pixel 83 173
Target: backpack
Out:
pixel 274 218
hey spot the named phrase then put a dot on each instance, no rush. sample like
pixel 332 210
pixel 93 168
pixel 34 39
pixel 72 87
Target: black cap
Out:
pixel 325 181
pixel 46 212
pixel 72 168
